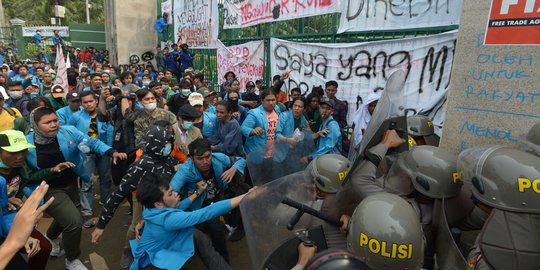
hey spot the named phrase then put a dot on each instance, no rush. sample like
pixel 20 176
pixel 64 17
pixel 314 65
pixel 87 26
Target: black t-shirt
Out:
pixel 297 123
pixel 212 189
pixel 48 156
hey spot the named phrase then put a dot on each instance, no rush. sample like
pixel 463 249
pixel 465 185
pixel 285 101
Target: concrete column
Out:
pixel 19 40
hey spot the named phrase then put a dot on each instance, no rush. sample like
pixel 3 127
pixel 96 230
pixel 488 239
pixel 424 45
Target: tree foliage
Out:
pixel 39 12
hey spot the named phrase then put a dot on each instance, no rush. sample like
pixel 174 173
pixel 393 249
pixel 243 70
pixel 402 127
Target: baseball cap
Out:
pixel 188 112
pixel 196 99
pixel 327 101
pixel 73 96
pixel 57 91
pixel 188 70
pixel 207 93
pixel 14 141
pixel 250 84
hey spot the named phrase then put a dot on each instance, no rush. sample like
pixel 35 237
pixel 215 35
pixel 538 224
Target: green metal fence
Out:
pixel 317 29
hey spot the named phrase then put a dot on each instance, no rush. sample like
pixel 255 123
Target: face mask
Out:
pixel 33 94
pixel 165 87
pixel 187 125
pixel 15 94
pixel 4 165
pixel 150 106
pixel 186 92
pixel 167 150
pixel 146 83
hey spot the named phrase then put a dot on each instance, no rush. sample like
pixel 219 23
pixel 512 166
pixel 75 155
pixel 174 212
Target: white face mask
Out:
pixel 150 106
pixel 15 94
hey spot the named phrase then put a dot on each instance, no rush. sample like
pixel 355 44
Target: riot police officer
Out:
pixel 531 142
pixel 506 185
pixel 385 233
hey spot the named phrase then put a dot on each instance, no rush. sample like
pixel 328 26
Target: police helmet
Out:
pixel 532 140
pixel 502 177
pixel 419 125
pixel 334 259
pixel 385 232
pixel 432 170
pixel 328 171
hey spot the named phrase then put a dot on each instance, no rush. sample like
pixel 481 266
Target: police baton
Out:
pixel 302 208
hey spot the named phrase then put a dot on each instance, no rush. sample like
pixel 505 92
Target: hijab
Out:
pixel 41 137
pixel 362 116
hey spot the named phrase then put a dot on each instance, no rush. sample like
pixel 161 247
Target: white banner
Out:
pixel 196 22
pixel 245 60
pixel 46 31
pixel 244 13
pixel 166 7
pixel 61 70
pixel 363 68
pixel 367 15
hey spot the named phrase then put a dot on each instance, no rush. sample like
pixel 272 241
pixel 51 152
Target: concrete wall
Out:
pixel 130 29
pixel 493 96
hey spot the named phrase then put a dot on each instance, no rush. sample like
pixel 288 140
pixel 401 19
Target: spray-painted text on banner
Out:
pixel 363 68
pixel 245 60
pixel 196 22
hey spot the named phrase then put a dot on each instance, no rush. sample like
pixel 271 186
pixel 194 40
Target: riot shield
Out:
pixel 285 161
pixel 265 220
pixel 387 115
pixel 449 256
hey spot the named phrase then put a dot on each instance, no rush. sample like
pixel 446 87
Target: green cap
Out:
pixel 14 141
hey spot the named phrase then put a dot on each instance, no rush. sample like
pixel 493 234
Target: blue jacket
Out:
pixel 285 128
pixel 160 25
pixel 209 124
pixel 170 63
pixel 6 216
pixel 186 60
pixel 81 120
pixel 64 114
pixel 167 239
pixel 331 143
pixel 69 138
pixel 255 118
pixel 188 175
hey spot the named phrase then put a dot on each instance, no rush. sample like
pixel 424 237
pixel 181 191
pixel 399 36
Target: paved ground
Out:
pixel 106 255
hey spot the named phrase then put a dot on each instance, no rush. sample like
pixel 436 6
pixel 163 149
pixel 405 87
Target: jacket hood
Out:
pixel 156 139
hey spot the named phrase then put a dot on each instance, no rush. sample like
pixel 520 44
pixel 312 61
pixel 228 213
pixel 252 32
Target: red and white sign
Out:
pixel 513 22
pixel 245 13
pixel 245 60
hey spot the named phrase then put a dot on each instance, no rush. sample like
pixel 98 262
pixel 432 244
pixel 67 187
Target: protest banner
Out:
pixel 245 60
pixel 46 31
pixel 166 7
pixel 61 70
pixel 196 23
pixel 363 68
pixel 367 15
pixel 513 22
pixel 237 14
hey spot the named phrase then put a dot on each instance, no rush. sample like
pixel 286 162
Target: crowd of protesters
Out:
pixel 115 128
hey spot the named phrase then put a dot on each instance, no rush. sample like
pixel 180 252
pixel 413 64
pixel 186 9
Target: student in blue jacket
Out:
pixel 289 148
pixel 96 126
pixel 169 238
pixel 328 138
pixel 258 130
pixel 218 170
pixel 56 144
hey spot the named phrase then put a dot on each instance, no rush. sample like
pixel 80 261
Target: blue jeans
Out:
pixel 100 165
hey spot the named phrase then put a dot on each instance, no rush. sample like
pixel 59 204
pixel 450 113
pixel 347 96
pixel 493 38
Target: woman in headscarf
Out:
pixel 363 115
pixel 57 144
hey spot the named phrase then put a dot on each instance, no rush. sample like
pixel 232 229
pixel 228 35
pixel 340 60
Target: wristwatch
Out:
pixel 197 193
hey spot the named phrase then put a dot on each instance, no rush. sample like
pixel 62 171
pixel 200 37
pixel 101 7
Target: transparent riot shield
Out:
pixel 449 256
pixel 387 115
pixel 265 220
pixel 285 160
pixel 389 106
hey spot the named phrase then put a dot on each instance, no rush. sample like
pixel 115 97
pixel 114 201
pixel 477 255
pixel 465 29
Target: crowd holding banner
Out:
pixel 246 60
